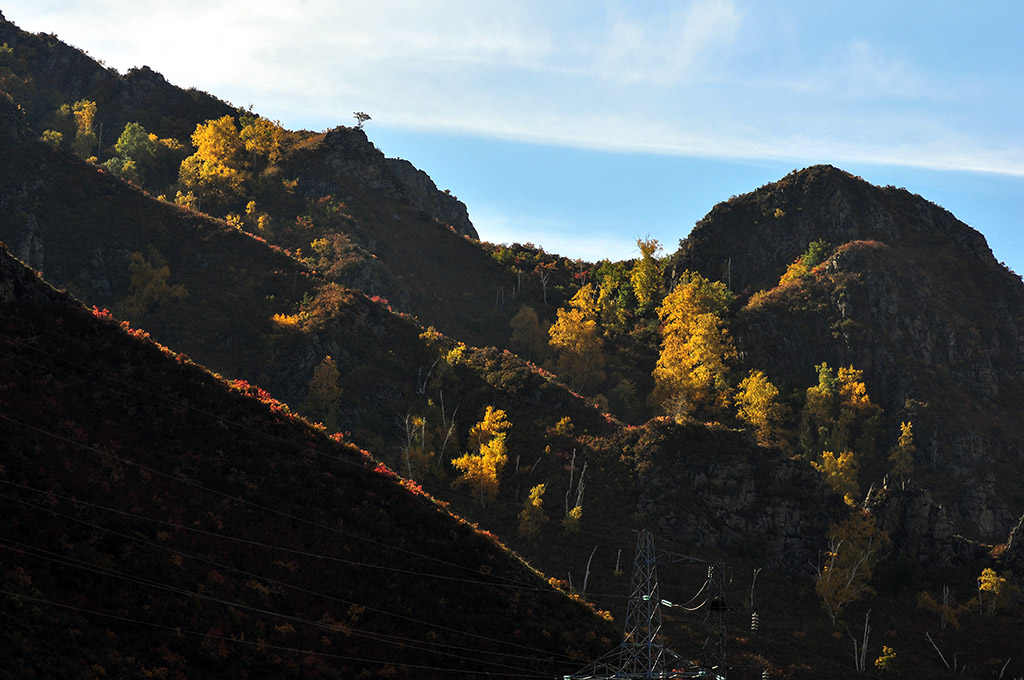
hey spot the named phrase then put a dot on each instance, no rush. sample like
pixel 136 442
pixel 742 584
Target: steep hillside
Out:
pixel 159 521
pixel 911 296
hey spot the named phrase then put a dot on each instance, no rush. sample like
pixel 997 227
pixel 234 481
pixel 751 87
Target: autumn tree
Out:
pixel 486 455
pixel 757 404
pixel 840 472
pixel 838 414
pixel 528 336
pixel 261 138
pixel 577 340
pixel 214 172
pixel 816 253
pixel 531 517
pixel 995 592
pixel 646 274
pixel 854 550
pixel 614 296
pixel 417 450
pixel 324 391
pixel 902 455
pixel 84 112
pixel 147 285
pixel 696 348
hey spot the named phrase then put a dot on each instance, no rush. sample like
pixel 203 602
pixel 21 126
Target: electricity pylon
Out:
pixel 642 654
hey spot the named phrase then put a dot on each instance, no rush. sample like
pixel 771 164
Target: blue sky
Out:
pixel 581 125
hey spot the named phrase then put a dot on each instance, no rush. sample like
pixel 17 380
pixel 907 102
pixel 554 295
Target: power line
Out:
pixel 327 655
pixel 243 572
pixel 113 573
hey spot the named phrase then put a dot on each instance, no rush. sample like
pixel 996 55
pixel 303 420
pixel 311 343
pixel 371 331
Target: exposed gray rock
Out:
pixel 350 160
pixel 918 527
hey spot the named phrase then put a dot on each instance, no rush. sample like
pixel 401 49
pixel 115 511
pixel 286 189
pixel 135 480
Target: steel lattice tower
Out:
pixel 642 654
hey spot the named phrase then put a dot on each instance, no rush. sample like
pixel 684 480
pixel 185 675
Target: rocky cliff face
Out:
pixel 346 162
pixel 911 296
pixel 714 488
pixel 12 124
pixel 920 528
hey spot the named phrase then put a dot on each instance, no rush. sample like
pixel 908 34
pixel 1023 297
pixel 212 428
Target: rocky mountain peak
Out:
pixel 753 237
pixel 349 158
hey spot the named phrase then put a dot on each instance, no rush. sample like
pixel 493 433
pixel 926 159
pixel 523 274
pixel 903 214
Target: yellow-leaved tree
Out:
pixel 262 140
pixel 840 472
pixel 696 349
pixel 838 414
pixel 215 171
pixel 486 455
pixel 577 340
pixel 757 404
pixel 854 550
pixel 85 141
pixel 531 518
pixel 646 275
pixel 902 455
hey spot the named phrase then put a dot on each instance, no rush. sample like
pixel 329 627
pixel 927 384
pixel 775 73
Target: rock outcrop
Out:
pixel 346 161
pixel 714 488
pixel 911 296
pixel 918 527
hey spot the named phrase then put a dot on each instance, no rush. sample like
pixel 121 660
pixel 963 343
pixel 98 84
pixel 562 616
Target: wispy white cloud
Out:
pixel 717 78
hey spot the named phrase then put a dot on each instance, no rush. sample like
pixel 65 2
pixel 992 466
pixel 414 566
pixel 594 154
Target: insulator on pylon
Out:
pixel 755 621
pixel 764 674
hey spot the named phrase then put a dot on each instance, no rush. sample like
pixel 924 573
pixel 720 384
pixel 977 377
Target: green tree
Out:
pixel 528 337
pixel 123 168
pixel 148 287
pixel 322 396
pixel 646 275
pixel 138 145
